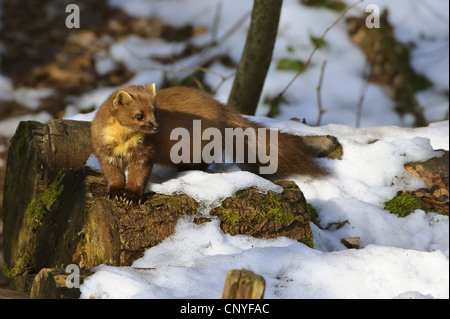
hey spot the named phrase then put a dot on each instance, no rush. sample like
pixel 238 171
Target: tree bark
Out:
pixel 257 55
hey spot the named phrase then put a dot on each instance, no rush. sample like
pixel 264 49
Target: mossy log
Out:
pixel 56 211
pixel 117 234
pixel 269 215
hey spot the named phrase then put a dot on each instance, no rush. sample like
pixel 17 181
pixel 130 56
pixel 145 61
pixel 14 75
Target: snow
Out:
pixel 197 258
pixel 210 189
pixel 30 97
pixel 9 126
pixel 399 257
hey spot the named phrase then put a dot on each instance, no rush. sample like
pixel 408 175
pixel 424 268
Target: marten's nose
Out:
pixel 156 129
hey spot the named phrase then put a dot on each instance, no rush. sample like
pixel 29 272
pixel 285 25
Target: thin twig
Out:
pixel 362 94
pixel 234 27
pixel 319 97
pixel 318 44
pixel 216 21
pixel 203 69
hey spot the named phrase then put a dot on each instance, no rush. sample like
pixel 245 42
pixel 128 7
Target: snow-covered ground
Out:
pixel 400 257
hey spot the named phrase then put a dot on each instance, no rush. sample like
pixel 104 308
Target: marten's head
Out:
pixel 135 108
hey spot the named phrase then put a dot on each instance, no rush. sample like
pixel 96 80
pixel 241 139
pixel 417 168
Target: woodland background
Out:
pixel 50 71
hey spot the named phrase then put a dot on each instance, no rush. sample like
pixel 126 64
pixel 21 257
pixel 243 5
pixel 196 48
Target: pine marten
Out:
pixel 135 126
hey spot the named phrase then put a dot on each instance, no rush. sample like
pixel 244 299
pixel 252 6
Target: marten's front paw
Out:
pixel 116 193
pixel 132 198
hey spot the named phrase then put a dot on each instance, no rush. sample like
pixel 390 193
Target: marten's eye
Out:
pixel 140 117
pixel 156 114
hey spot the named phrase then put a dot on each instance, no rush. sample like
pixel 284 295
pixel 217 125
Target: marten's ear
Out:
pixel 122 98
pixel 151 88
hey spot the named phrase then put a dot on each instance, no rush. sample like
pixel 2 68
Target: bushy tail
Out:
pixel 294 157
pixel 268 152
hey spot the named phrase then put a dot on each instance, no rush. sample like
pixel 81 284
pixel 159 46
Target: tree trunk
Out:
pixel 257 55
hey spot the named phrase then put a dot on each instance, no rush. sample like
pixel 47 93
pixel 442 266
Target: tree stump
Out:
pixel 51 283
pixel 43 196
pixel 243 284
pixel 56 211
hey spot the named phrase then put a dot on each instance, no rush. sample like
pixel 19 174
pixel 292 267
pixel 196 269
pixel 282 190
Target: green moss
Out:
pixel 286 64
pixel 334 5
pixel 232 217
pixel 313 213
pixel 20 140
pixel 20 267
pixel 309 241
pixel 287 185
pixel 277 214
pixel 404 204
pixel 42 203
pixel 164 200
pixel 270 208
pixel 267 209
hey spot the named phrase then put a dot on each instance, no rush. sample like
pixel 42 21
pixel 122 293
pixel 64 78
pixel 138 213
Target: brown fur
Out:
pixel 131 132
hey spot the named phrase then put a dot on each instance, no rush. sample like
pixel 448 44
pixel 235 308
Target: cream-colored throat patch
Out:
pixel 121 138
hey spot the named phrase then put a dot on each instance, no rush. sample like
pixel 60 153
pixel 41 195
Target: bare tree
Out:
pixel 255 60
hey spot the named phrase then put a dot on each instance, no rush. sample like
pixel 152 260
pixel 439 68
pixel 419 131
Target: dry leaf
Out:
pixel 427 175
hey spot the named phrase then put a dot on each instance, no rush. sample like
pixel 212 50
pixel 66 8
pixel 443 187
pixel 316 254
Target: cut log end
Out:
pixel 55 283
pixel 243 284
